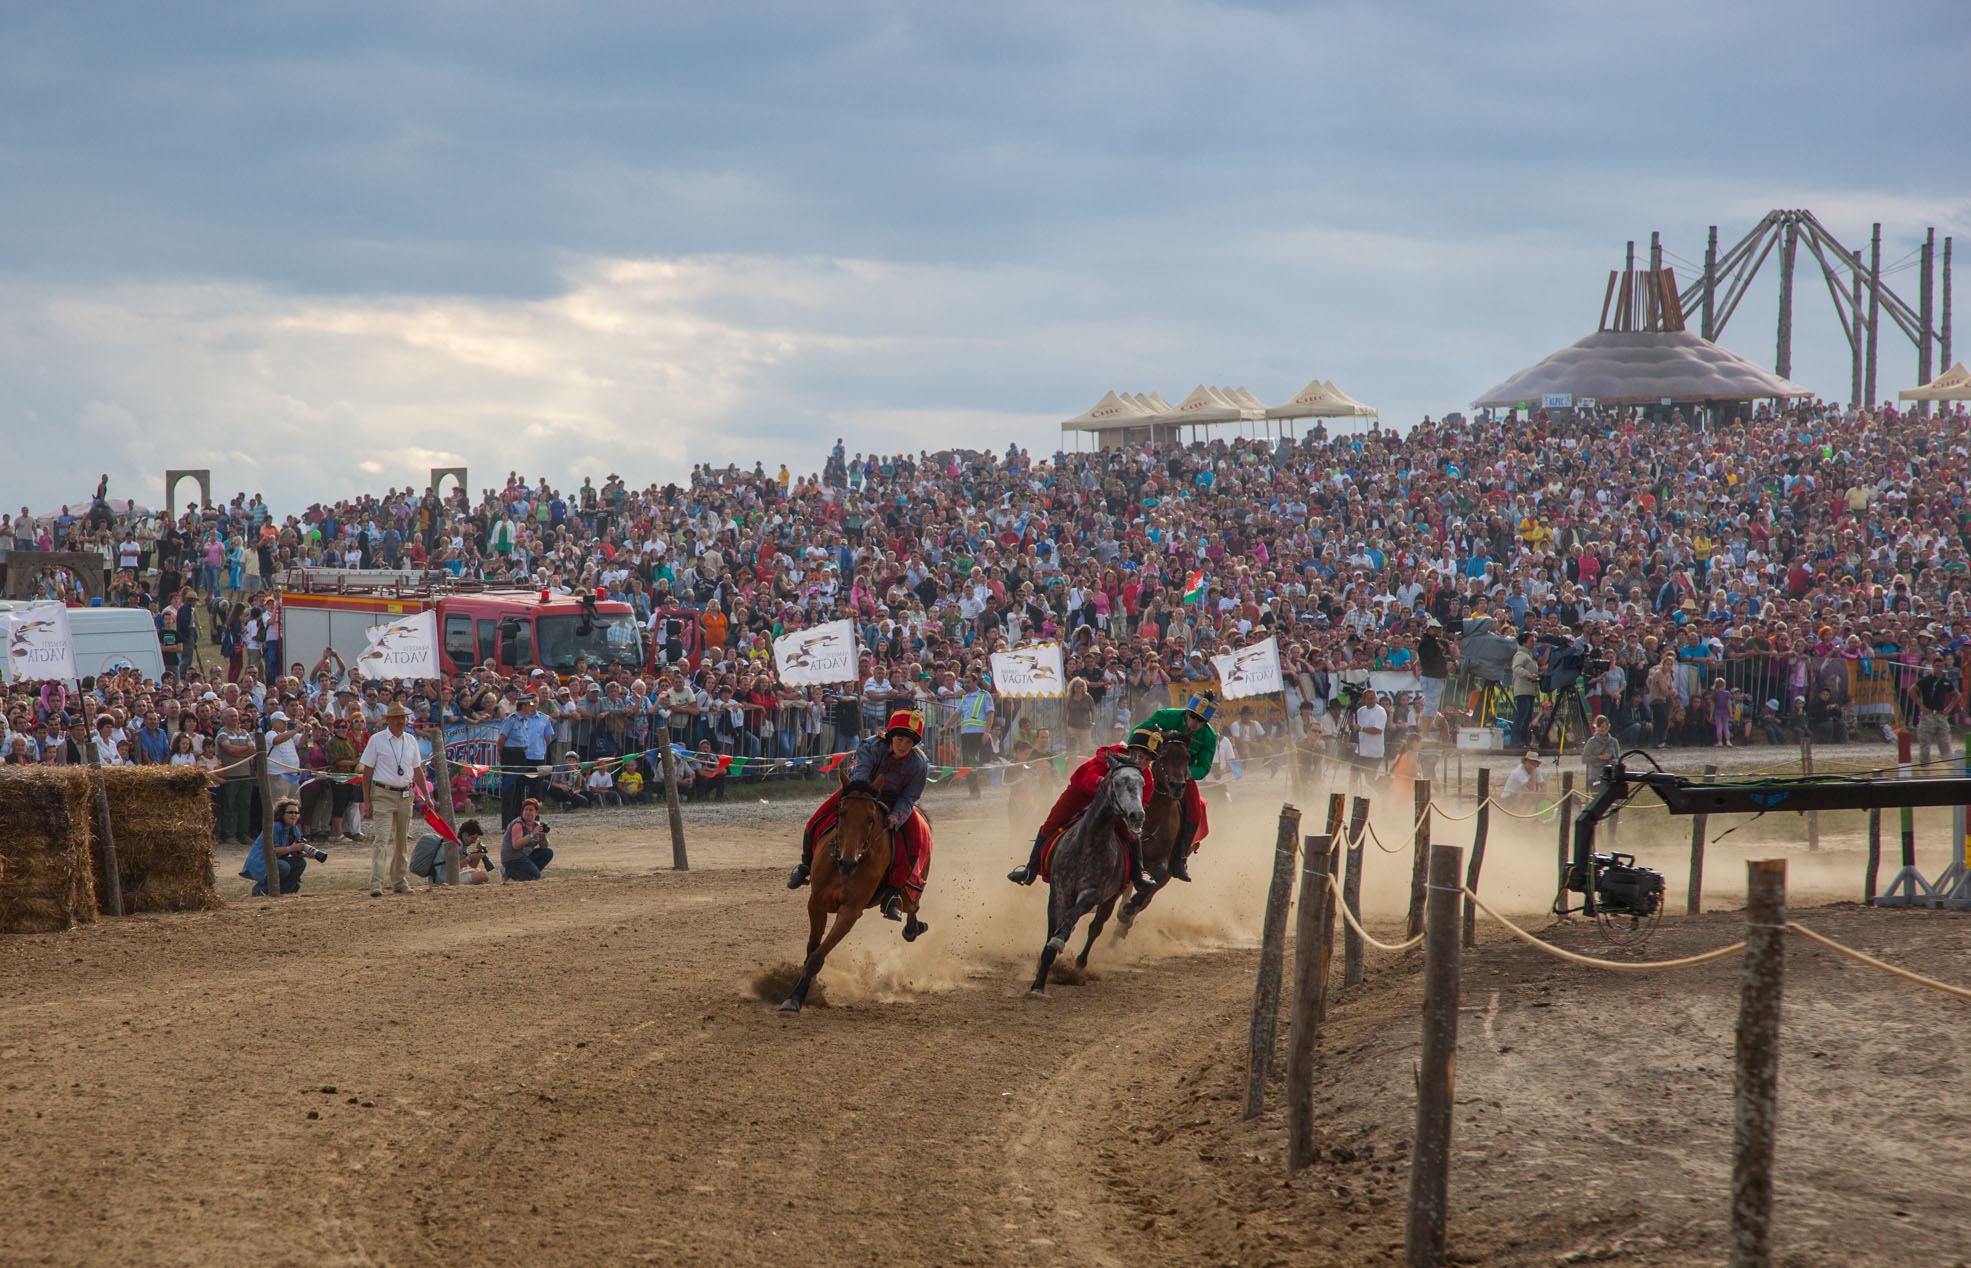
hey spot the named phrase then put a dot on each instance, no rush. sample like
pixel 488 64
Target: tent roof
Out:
pixel 1111 411
pixel 1321 400
pixel 1627 367
pixel 1214 405
pixel 1953 384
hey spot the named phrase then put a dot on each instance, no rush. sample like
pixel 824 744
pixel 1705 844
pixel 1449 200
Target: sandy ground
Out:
pixel 581 1069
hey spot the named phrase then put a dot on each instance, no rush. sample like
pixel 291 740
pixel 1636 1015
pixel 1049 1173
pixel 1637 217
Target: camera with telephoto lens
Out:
pixel 1620 886
pixel 311 853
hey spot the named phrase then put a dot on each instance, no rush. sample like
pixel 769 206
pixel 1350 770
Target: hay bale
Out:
pixel 162 819
pixel 47 881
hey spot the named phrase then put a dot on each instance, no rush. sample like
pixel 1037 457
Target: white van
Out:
pixel 108 639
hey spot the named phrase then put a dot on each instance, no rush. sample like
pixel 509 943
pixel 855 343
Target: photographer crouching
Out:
pixel 290 852
pixel 523 846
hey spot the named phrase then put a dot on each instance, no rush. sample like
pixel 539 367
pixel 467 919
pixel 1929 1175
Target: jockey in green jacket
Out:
pixel 1194 721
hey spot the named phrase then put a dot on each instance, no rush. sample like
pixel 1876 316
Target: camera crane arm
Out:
pixel 1682 795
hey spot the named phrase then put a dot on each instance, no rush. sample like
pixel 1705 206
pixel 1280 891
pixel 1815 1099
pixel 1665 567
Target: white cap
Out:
pixel 277 716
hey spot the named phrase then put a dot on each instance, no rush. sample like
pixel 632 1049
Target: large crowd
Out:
pixel 1782 575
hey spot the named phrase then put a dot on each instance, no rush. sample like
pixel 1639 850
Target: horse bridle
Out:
pixel 835 847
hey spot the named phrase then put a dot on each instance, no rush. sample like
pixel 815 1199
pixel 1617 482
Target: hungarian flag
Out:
pixel 438 824
pixel 1194 586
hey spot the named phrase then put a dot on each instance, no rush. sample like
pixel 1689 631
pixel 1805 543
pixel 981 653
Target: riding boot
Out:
pixel 1132 853
pixel 1181 851
pixel 799 876
pixel 893 905
pixel 1029 872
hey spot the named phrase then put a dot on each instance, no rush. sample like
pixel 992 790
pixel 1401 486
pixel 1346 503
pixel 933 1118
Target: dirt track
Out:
pixel 578 1068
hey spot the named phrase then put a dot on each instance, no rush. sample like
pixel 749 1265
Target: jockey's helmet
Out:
pixel 909 721
pixel 1203 705
pixel 1148 739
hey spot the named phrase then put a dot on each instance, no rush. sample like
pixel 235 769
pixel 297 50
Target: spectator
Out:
pixel 290 851
pixel 524 849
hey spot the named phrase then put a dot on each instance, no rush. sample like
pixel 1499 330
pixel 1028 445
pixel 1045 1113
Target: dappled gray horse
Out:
pixel 1089 870
pixel 1171 771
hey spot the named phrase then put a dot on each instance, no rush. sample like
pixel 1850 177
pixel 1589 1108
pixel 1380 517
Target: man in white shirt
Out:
pixel 392 773
pixel 283 761
pixel 1526 787
pixel 1371 722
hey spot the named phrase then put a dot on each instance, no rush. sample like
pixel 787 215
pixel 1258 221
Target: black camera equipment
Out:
pixel 310 852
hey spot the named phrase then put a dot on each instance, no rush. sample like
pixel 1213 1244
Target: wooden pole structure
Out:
pixel 1807 768
pixel 1856 334
pixel 1313 930
pixel 267 820
pixel 1420 860
pixel 1943 328
pixel 1430 1156
pixel 1926 311
pixel 112 878
pixel 1272 953
pixel 1789 246
pixel 1694 892
pixel 1706 321
pixel 1874 311
pixel 441 769
pixel 1337 812
pixel 1755 1105
pixel 678 860
pixel 1565 820
pixel 1478 831
pixel 1874 853
pixel 1351 893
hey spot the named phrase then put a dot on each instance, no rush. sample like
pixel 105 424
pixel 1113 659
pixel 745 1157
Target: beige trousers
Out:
pixel 390 829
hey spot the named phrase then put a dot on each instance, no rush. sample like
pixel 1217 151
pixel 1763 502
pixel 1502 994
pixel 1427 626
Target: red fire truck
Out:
pixel 516 629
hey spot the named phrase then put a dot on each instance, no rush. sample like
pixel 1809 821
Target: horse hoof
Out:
pixel 790 1006
pixel 1036 992
pixel 915 930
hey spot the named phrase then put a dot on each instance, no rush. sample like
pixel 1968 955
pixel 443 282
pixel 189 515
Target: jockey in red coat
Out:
pixel 892 764
pixel 1080 794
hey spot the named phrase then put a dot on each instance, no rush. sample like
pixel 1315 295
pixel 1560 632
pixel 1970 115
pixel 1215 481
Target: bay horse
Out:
pixel 1161 823
pixel 858 851
pixel 1089 869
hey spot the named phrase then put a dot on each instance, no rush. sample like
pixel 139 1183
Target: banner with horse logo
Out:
pixel 40 647
pixel 1250 671
pixel 1029 671
pixel 816 655
pixel 406 648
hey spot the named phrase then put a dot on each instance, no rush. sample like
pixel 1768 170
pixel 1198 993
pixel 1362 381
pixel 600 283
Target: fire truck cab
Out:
pixel 514 629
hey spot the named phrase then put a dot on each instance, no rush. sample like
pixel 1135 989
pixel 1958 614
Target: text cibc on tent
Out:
pixel 1953 384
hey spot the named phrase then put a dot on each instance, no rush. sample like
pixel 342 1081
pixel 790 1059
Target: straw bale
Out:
pixel 162 820
pixel 48 882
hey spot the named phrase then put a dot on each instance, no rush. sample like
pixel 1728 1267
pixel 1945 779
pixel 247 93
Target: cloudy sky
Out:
pixel 321 248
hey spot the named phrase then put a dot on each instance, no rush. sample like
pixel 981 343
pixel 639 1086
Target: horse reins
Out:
pixel 835 847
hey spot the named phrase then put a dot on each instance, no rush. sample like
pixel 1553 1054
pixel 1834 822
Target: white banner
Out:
pixel 1250 671
pixel 816 655
pixel 40 646
pixel 406 648
pixel 1029 671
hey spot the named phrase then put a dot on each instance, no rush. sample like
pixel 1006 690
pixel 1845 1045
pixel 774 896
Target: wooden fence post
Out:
pixel 1755 1103
pixel 1478 831
pixel 1272 951
pixel 1874 853
pixel 1699 824
pixel 678 860
pixel 1419 860
pixel 112 879
pixel 1351 894
pixel 1430 1155
pixel 1313 925
pixel 1807 768
pixel 267 819
pixel 441 795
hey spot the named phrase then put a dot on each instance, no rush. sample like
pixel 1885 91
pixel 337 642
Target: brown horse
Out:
pixel 859 850
pixel 1161 822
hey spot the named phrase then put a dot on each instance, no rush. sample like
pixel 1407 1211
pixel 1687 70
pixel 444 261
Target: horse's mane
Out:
pixel 862 786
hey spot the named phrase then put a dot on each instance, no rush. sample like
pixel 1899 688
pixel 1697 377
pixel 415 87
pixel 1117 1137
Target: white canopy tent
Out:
pixel 1121 419
pixel 1953 384
pixel 1321 399
pixel 1214 405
